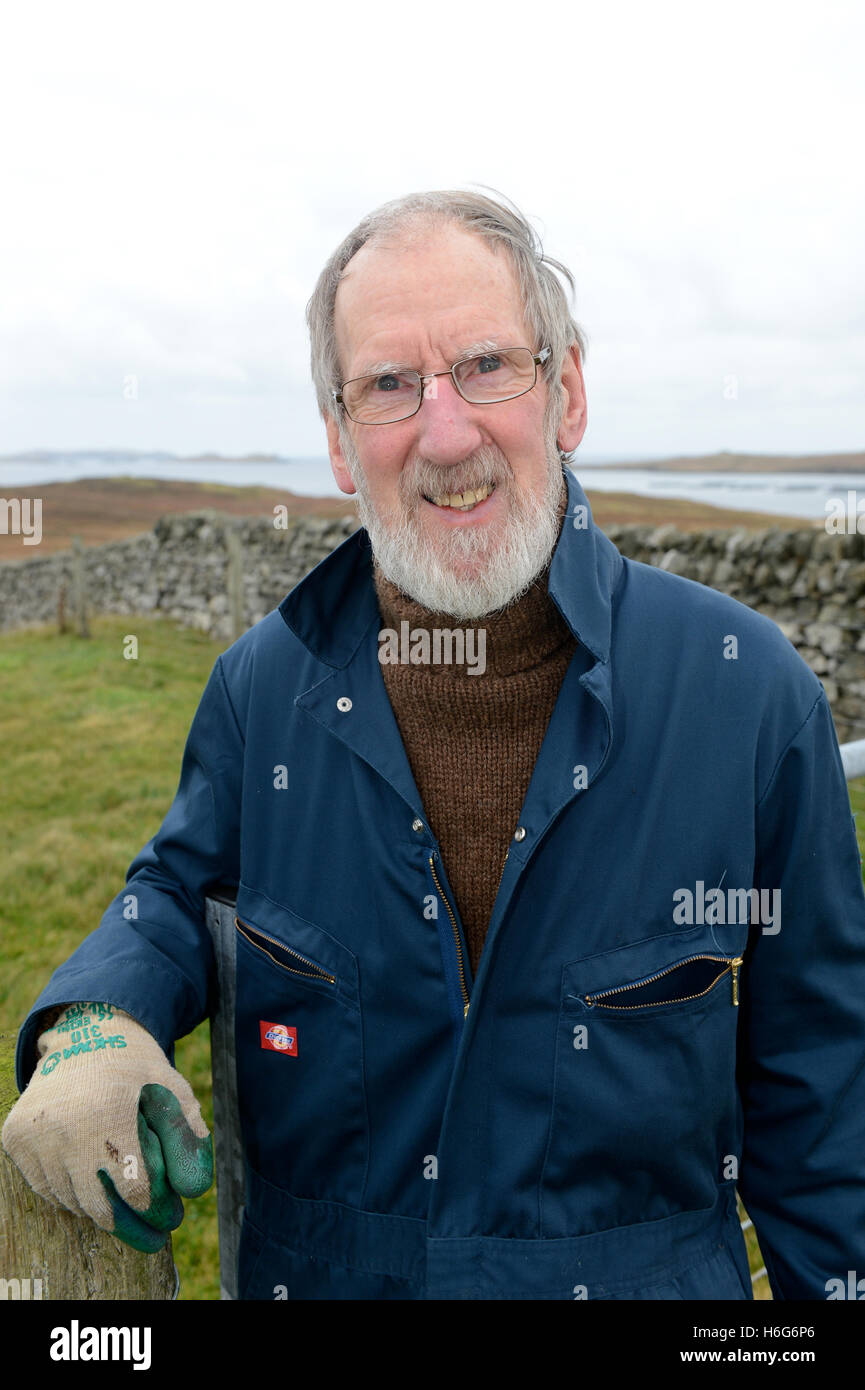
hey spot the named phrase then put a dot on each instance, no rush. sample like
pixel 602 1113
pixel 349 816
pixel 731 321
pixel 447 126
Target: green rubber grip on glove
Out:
pixel 178 1163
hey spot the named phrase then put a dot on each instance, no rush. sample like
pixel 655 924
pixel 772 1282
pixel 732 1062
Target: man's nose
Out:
pixel 448 426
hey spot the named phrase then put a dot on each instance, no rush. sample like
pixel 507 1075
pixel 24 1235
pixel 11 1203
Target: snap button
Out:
pixel 417 823
pixel 520 832
pixel 343 704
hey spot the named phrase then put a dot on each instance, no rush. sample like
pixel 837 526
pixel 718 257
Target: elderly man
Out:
pixel 539 958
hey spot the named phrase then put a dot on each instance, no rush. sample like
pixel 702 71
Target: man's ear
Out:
pixel 337 457
pixel 573 425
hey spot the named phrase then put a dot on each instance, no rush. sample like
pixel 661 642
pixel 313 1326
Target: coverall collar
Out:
pixel 332 608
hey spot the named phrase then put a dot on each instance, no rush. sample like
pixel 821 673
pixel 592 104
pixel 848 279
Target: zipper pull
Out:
pixel 466 1010
pixel 735 968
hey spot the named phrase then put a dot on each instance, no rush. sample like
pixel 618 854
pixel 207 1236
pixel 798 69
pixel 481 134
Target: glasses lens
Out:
pixel 378 400
pixel 497 376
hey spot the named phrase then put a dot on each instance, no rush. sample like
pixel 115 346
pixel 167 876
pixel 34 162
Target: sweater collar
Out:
pixel 516 638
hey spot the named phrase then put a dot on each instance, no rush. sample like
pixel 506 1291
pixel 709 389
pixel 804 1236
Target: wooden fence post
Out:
pixel 47 1253
pixel 235 578
pixel 228 1144
pixel 79 588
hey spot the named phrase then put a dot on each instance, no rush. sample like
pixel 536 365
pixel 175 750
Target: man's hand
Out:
pixel 108 1129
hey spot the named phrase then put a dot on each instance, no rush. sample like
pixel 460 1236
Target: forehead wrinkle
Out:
pixel 473 350
pixel 447 280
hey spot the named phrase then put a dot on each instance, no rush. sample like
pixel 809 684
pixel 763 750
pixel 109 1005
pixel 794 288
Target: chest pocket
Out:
pixel 644 1120
pixel 299 1043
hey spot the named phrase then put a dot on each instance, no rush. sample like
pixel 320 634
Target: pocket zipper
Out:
pixel 314 972
pixel 731 965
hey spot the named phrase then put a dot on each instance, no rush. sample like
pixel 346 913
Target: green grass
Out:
pixel 91 748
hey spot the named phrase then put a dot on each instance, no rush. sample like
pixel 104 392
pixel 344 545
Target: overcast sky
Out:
pixel 175 174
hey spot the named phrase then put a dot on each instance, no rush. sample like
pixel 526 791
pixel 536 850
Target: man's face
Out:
pixel 426 303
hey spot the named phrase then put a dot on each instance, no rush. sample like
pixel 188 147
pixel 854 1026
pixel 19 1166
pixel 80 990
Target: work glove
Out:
pixel 108 1129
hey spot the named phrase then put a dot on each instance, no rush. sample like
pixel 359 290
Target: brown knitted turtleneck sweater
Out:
pixel 472 740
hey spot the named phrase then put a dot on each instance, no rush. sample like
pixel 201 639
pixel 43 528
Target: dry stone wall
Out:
pixel 812 584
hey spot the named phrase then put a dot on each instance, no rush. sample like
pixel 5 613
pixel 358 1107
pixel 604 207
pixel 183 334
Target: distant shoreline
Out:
pixel 723 462
pixel 748 463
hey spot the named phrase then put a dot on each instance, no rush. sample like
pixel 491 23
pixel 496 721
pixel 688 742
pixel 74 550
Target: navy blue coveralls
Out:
pixel 578 1130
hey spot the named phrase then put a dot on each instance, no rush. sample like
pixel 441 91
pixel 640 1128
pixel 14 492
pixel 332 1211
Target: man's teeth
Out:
pixel 464 501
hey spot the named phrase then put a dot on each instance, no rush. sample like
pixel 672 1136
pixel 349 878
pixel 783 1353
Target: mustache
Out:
pixel 424 479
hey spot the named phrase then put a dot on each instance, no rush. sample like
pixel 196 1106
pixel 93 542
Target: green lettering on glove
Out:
pixel 95 1093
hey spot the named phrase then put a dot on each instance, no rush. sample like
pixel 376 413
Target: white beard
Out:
pixel 428 569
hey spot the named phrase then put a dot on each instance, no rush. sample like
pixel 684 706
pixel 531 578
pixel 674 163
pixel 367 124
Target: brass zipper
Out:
pixel 731 965
pixel 314 972
pixel 735 964
pixel 456 932
pixel 502 874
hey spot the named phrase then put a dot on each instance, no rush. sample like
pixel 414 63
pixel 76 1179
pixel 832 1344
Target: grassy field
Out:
pixel 92 747
pixel 110 509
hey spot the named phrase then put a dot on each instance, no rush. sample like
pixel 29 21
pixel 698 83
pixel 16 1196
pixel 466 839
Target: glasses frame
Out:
pixel 538 358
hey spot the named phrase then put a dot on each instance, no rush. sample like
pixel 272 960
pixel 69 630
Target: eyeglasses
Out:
pixel 385 397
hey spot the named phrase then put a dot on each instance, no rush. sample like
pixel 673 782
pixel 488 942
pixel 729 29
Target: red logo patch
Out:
pixel 276 1037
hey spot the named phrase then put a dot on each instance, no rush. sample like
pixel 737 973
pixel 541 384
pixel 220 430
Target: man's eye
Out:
pixel 490 362
pixel 390 382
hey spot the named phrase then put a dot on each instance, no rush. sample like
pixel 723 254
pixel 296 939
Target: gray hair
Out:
pixel 545 304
